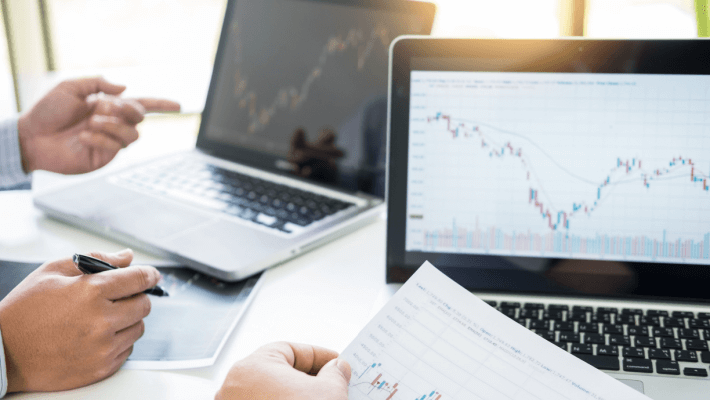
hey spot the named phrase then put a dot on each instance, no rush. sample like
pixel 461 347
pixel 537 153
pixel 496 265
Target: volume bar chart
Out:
pixel 559 165
pixel 494 240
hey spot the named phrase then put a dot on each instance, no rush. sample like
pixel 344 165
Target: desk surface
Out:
pixel 323 297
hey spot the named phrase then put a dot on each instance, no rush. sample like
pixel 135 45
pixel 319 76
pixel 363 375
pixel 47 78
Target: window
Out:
pixel 89 34
pixel 8 105
pixel 166 47
pixel 155 47
pixel 505 19
pixel 641 19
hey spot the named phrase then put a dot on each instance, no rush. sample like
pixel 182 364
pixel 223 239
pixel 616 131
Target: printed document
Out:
pixel 437 341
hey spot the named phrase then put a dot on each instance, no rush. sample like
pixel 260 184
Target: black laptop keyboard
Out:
pixel 629 340
pixel 266 203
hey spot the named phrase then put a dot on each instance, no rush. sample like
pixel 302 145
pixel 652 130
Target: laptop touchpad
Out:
pixel 151 220
pixel 638 385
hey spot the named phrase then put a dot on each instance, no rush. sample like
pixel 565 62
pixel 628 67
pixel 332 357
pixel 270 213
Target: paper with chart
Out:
pixel 436 341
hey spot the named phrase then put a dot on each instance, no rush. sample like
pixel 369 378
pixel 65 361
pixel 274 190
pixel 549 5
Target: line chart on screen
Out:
pixel 537 164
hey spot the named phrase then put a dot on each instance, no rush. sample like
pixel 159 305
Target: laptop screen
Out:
pixel 301 87
pixel 552 166
pixel 575 165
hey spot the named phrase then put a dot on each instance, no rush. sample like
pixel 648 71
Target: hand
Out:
pixel 62 329
pixel 287 371
pixel 80 125
pixel 316 160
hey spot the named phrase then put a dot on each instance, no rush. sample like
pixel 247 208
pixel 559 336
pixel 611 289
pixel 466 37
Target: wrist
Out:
pixel 25 140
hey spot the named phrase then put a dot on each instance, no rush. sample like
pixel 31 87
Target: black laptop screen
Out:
pixel 301 87
pixel 590 175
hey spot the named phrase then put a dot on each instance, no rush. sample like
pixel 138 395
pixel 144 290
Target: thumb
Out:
pixel 87 86
pixel 109 88
pixel 337 371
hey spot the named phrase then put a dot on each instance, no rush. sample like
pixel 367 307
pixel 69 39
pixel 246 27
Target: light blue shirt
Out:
pixel 11 176
pixel 11 173
pixel 3 370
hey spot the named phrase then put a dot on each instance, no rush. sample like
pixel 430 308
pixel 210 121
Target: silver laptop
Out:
pixel 291 148
pixel 566 183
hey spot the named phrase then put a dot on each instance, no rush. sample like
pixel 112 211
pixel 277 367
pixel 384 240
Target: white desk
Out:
pixel 323 297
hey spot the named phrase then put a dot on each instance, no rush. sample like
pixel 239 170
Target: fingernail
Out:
pixel 124 252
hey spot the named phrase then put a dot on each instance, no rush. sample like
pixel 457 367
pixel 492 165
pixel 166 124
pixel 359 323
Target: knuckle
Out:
pixel 137 106
pixel 97 123
pixel 105 354
pixel 93 287
pixel 103 328
pixel 106 106
pixel 143 277
pixel 104 370
pixel 275 346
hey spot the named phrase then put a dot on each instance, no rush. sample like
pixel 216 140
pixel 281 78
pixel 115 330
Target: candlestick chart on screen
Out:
pixel 497 167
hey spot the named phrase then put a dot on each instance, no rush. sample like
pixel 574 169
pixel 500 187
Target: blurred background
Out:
pixel 166 47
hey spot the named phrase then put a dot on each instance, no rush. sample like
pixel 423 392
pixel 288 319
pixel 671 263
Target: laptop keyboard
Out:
pixel 627 339
pixel 273 205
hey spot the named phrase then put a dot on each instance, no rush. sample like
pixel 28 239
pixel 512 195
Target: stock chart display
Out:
pixel 303 64
pixel 589 166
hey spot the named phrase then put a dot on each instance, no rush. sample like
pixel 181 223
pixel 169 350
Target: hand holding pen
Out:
pixel 62 329
pixel 90 265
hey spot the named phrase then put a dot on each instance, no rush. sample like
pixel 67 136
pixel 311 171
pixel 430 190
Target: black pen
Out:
pixel 91 265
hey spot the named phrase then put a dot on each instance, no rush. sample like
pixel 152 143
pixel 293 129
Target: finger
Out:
pixel 303 357
pixel 125 338
pixel 115 127
pixel 298 140
pixel 126 282
pixel 100 141
pixel 310 359
pixel 326 138
pixel 158 105
pixel 132 111
pixel 86 86
pixel 113 366
pixel 337 372
pixel 120 360
pixel 128 110
pixel 306 171
pixel 97 159
pixel 130 311
pixel 120 259
pixel 123 357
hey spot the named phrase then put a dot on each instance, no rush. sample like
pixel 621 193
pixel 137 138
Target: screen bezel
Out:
pixel 267 161
pixel 654 281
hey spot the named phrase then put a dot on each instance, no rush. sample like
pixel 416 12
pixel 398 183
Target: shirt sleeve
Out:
pixel 3 370
pixel 11 173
